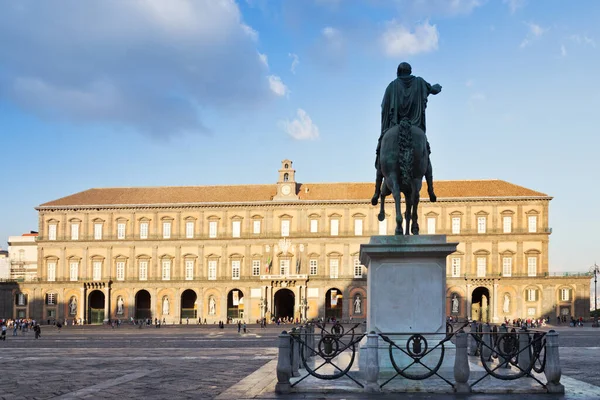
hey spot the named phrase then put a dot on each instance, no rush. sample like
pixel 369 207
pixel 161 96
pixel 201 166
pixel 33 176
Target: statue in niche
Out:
pixel 212 305
pixel 506 306
pixel 455 304
pixel 120 305
pixel 165 308
pixel 357 304
pixel 73 306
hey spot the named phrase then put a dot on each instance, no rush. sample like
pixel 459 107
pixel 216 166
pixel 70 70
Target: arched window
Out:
pixel 286 177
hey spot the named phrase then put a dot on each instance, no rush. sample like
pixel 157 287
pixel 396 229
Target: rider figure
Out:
pixel 405 98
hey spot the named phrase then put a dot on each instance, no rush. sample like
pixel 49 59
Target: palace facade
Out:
pixel 287 249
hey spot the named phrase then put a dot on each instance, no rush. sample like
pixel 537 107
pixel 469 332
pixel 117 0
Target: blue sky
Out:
pixel 155 92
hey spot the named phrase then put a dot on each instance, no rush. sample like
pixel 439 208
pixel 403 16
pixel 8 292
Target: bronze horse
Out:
pixel 404 161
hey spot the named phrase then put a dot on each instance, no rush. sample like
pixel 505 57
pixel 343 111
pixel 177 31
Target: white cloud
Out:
pixel 149 65
pixel 295 62
pixel 428 8
pixel 263 59
pixel 563 50
pixel 535 32
pixel 277 86
pixel 469 83
pixel 398 40
pixel 514 5
pixel 579 39
pixel 333 36
pixel 301 128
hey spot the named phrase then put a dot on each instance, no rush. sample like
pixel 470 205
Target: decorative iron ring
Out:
pixel 329 347
pixel 419 345
pixel 406 375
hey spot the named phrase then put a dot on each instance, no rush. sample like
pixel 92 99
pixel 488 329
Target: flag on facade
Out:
pixel 236 298
pixel 298 266
pixel 268 267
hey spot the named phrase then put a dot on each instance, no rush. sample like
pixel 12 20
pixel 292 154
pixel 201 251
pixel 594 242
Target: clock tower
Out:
pixel 286 184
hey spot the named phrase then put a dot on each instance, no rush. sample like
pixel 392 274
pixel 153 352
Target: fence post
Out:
pixel 552 370
pixel 486 347
pixel 461 364
pixel 524 350
pixel 284 364
pixel 503 331
pixel 372 363
pixel 295 351
pixel 303 349
pixel 472 343
pixel 313 340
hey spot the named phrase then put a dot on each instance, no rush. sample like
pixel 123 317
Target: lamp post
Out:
pixel 595 270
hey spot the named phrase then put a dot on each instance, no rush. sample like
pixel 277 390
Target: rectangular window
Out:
pixel 166 230
pixel 73 270
pixel 166 270
pixel 531 266
pixel 455 267
pixel 121 230
pixel 256 227
pixel 506 266
pixel 255 267
pixel 51 271
pixel 97 270
pixel 189 230
pixel 74 231
pixel 21 300
pixel 235 269
pixel 431 226
pixel 284 267
pixel 285 227
pixel 144 230
pixel 481 267
pixel 314 226
pixel 97 231
pixel 532 223
pixel 120 270
pixel 334 268
pixel 52 232
pixel 143 270
pixel 189 270
pixel 507 224
pixel 236 229
pixel 335 227
pixel 455 225
pixel 313 267
pixel 51 299
pixel 358 227
pixel 531 294
pixel 212 270
pixel 212 229
pixel 358 268
pixel 383 227
pixel 481 224
pixel 564 294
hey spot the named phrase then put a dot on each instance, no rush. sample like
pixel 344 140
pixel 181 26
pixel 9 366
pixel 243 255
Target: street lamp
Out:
pixel 595 270
pixel 304 305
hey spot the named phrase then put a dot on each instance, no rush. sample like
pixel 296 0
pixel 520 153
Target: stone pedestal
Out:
pixel 406 289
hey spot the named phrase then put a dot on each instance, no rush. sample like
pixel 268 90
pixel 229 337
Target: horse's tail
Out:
pixel 405 148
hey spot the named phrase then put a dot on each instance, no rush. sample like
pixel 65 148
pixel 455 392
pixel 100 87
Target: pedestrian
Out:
pixel 3 337
pixel 239 326
pixel 38 331
pixel 244 326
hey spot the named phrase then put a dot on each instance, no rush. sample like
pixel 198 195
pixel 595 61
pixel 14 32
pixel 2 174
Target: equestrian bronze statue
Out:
pixel 403 150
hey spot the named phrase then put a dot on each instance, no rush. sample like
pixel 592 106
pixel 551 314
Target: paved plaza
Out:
pixel 197 362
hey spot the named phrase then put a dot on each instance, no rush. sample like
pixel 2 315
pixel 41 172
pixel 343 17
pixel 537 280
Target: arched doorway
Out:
pixel 96 307
pixel 142 305
pixel 188 304
pixel 334 304
pixel 235 304
pixel 284 303
pixel 480 300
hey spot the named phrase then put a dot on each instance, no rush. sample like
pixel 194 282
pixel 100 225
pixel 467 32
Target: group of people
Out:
pixel 22 325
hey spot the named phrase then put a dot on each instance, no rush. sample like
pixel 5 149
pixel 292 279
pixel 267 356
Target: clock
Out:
pixel 285 189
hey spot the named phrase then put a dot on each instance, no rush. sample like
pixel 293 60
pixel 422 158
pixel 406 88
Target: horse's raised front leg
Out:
pixel 417 183
pixel 385 191
pixel 378 181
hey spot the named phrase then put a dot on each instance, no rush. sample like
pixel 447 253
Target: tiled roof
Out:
pixel 257 193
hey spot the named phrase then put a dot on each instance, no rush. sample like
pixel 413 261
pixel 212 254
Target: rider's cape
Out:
pixel 405 97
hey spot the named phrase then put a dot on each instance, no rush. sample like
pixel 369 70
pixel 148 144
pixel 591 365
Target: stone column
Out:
pixel 81 305
pixel 371 364
pixel 177 306
pixel 153 295
pixel 495 303
pixel 284 364
pixel 553 371
pixel 106 292
pixel 461 364
pixel 468 301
